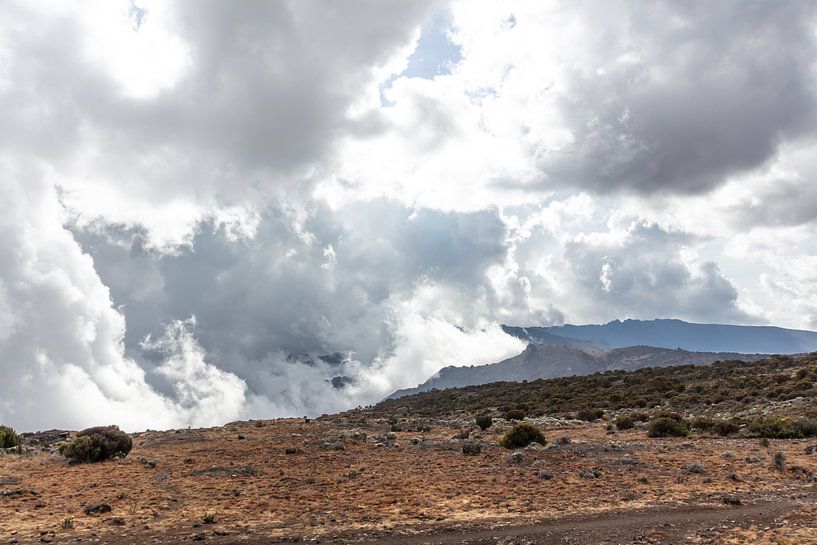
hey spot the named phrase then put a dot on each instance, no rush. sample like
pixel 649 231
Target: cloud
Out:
pixel 267 309
pixel 219 211
pixel 258 97
pixel 62 359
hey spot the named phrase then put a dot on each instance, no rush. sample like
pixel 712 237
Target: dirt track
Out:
pixel 658 526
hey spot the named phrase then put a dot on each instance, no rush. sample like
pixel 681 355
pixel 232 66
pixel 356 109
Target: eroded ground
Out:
pixel 283 481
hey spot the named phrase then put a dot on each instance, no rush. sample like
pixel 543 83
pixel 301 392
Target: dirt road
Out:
pixel 665 527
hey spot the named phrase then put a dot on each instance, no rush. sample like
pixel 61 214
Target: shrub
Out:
pixel 522 435
pixel 515 414
pixel 484 422
pixel 96 445
pixel 8 438
pixel 640 416
pixel 726 427
pixel 779 461
pixel 671 415
pixel 625 422
pixel 667 427
pixel 703 424
pixel 589 415
pixel 208 518
pixel 782 428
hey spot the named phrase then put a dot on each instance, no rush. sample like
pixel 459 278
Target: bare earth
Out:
pixel 417 488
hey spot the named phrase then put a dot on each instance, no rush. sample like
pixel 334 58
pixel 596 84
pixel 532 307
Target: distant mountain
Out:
pixel 540 335
pixel 548 360
pixel 686 335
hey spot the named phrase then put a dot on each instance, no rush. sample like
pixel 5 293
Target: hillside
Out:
pixel 542 361
pixel 686 335
pixel 726 386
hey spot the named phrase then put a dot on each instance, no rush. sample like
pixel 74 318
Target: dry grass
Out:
pixel 252 487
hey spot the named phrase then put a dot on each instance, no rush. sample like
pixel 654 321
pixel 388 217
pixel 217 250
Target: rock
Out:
pixel 811 449
pixel 544 475
pixel 97 509
pixel 616 445
pixel 534 446
pixel 471 449
pixel 292 450
pixel 116 521
pixel 517 457
pixel 590 474
pixel 417 440
pixel 727 454
pixel 332 445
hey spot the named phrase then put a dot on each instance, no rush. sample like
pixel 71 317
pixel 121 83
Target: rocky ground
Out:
pixel 343 480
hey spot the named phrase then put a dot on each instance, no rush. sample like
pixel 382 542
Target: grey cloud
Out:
pixel 709 90
pixel 638 273
pixel 266 93
pixel 257 302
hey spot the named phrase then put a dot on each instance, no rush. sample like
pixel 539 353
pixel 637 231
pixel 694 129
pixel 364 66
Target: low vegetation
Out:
pixel 97 445
pixel 522 435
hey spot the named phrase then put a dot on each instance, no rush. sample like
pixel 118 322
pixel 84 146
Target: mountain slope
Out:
pixel 542 361
pixel 689 336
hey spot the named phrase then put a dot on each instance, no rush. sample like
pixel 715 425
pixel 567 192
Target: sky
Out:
pixel 213 211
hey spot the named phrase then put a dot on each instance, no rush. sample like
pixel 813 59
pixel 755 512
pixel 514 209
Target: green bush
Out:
pixel 515 414
pixel 522 435
pixel 484 421
pixel 625 422
pixel 667 427
pixel 96 445
pixel 8 438
pixel 782 428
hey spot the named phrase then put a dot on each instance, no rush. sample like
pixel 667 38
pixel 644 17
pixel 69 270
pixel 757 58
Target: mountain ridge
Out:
pixel 547 360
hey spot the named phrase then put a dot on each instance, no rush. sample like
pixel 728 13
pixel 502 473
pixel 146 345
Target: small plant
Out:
pixel 764 442
pixel 67 524
pixel 208 518
pixel 9 438
pixel 484 422
pixel 522 435
pixel 97 444
pixel 625 422
pixel 667 427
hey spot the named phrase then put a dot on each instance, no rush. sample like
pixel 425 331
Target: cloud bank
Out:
pixel 214 211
